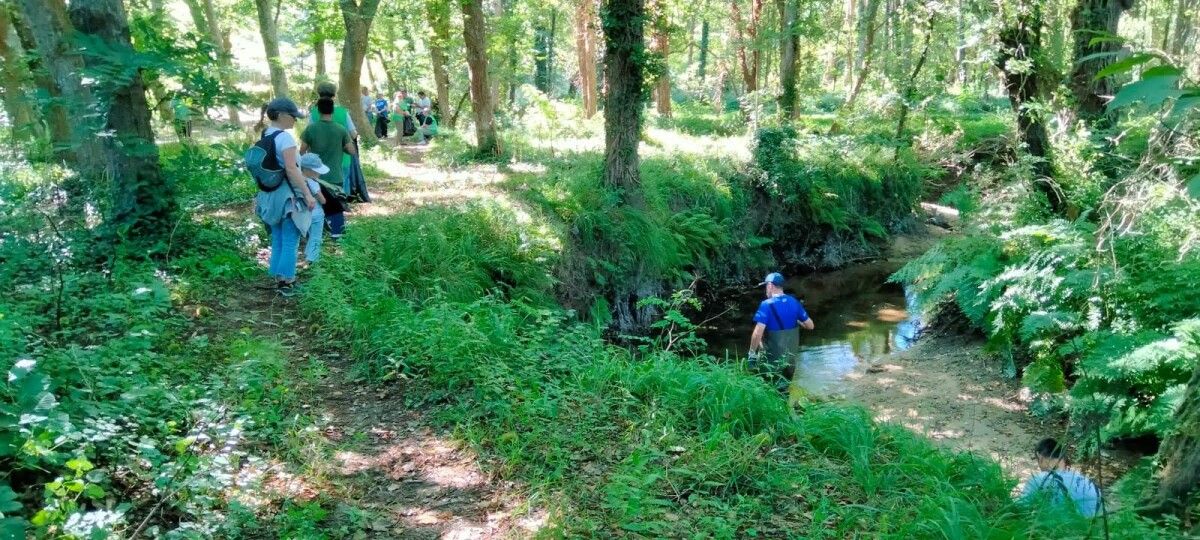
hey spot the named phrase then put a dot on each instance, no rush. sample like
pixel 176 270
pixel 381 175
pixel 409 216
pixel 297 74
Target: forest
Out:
pixel 458 269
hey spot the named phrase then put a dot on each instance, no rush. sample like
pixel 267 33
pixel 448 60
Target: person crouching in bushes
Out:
pixel 1057 486
pixel 312 167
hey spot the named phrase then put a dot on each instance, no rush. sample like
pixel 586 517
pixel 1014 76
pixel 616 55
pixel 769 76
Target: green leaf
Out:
pixel 1045 375
pixel 80 465
pixel 12 528
pixel 1124 65
pixel 8 500
pixel 94 492
pixel 1157 85
pixel 1193 187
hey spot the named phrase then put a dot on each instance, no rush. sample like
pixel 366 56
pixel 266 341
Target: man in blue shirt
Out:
pixel 381 116
pixel 779 319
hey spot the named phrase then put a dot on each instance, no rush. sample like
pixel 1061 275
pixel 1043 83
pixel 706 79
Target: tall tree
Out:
pixel 318 39
pixel 482 103
pixel 787 56
pixel 212 27
pixel 747 37
pixel 142 200
pixel 357 15
pixel 1021 62
pixel 868 28
pixel 624 56
pixel 585 48
pixel 1092 19
pixel 439 22
pixel 703 61
pixel 662 46
pixel 15 76
pixel 270 37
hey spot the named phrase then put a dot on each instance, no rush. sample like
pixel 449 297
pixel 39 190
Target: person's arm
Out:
pixel 292 169
pixel 350 149
pixel 320 195
pixel 805 321
pixel 756 336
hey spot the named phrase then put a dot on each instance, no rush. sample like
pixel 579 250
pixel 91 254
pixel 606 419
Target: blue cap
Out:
pixel 774 278
pixel 285 105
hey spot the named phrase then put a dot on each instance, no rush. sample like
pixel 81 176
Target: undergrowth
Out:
pixel 645 444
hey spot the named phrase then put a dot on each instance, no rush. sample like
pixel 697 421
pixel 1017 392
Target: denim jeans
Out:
pixel 312 246
pixel 336 223
pixel 285 239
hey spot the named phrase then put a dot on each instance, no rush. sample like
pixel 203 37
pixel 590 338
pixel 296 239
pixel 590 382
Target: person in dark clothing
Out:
pixel 776 324
pixel 381 117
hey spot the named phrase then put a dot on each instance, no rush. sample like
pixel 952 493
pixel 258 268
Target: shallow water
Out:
pixel 857 314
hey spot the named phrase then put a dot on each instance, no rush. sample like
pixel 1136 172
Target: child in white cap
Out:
pixel 313 168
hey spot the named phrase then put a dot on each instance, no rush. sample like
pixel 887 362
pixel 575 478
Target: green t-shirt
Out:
pixel 328 140
pixel 341 117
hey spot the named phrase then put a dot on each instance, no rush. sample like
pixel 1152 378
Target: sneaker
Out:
pixel 287 289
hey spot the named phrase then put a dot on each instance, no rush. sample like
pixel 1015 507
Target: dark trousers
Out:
pixel 381 126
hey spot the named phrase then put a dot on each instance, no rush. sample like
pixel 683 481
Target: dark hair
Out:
pixel 421 93
pixel 325 105
pixel 1049 448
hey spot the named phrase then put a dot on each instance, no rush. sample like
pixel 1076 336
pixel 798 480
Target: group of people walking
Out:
pixel 322 176
pixel 415 119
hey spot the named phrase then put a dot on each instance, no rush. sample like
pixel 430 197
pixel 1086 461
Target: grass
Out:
pixel 644 444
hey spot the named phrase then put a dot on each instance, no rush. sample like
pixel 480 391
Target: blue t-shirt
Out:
pixel 381 106
pixel 1062 485
pixel 781 312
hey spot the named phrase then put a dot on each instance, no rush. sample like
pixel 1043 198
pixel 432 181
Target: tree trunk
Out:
pixel 475 36
pixel 787 57
pixel 623 66
pixel 703 50
pixel 357 16
pixel 662 46
pixel 1091 19
pixel 745 36
pixel 550 51
pixel 439 20
pixel 541 58
pixel 1179 457
pixel 869 29
pixel 50 30
pixel 1183 26
pixel 21 114
pixel 220 43
pixel 910 87
pixel 143 202
pixel 270 37
pixel 198 17
pixel 319 54
pixel 849 25
pixel 1021 46
pixel 585 46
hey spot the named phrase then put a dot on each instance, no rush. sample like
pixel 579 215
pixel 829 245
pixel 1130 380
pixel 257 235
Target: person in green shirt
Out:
pixel 341 116
pixel 183 117
pixel 331 141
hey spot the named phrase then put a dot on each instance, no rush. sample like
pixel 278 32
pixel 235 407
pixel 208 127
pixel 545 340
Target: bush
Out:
pixel 830 197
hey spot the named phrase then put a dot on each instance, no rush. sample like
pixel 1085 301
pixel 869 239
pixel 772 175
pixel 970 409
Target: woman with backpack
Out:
pixel 286 207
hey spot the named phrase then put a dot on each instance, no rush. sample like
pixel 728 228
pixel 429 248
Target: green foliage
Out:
pixel 651 443
pixel 830 203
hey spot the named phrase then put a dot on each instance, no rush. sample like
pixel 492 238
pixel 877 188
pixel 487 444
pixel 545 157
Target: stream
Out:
pixel 858 315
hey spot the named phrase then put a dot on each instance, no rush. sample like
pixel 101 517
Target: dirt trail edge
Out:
pixel 378 459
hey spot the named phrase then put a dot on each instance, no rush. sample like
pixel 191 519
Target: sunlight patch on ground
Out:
pixel 668 142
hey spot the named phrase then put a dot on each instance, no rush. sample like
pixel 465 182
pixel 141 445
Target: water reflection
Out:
pixel 858 317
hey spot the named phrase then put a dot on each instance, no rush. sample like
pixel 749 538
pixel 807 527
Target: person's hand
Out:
pixel 310 201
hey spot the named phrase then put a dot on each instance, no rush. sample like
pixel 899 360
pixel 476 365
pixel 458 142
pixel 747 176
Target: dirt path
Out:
pixel 395 471
pixel 946 389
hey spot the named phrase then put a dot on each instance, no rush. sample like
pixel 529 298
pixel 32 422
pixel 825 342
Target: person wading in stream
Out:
pixel 777 324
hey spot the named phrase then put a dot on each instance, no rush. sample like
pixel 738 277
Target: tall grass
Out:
pixel 642 444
